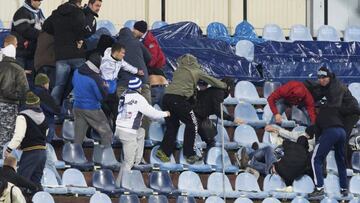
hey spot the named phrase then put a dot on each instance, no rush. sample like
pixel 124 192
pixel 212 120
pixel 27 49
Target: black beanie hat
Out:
pixel 95 59
pixel 323 72
pixel 141 26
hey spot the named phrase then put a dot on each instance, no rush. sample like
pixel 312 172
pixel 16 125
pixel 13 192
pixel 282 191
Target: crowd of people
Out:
pixel 116 84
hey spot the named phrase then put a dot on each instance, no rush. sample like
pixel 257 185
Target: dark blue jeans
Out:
pixel 157 93
pixel 31 165
pixel 262 159
pixel 64 70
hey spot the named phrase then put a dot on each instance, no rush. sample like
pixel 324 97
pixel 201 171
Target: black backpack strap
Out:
pixel 11 194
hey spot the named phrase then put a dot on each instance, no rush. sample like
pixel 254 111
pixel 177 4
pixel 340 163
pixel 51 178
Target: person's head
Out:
pixel 34 3
pixel 42 80
pixel 32 99
pixel 95 59
pixel 105 42
pixel 135 84
pixel 95 5
pixel 140 27
pixel 118 51
pixel 76 2
pixel 10 161
pixel 10 39
pixel 230 83
pixel 324 75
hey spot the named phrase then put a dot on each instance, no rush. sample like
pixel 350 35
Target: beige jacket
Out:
pixel 16 195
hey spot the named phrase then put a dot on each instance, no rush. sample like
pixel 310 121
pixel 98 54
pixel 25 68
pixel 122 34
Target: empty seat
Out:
pixel 190 183
pixel 227 143
pixel 214 199
pixel 73 154
pixel 246 91
pixel 270 87
pixel 273 32
pixel 185 199
pixel 99 197
pixel 245 135
pixel 199 166
pixel 271 200
pixel 355 161
pixel 130 24
pixel 214 158
pixel 133 182
pixel 327 33
pixel 268 118
pixel 51 156
pixel 160 181
pixel 180 138
pixel 273 184
pixel 354 185
pixel 105 157
pixel 156 134
pixel 245 48
pixel 68 132
pixel 108 25
pixel 328 200
pixel 300 33
pixel 354 88
pixel 75 181
pixel 129 199
pixel 243 200
pixel 158 24
pixel 51 184
pixel 303 185
pixel 171 166
pixel 248 186
pixel 158 199
pixel 332 186
pixel 103 180
pixel 215 186
pixel 247 112
pixel 41 197
pixel 299 199
pixel 352 34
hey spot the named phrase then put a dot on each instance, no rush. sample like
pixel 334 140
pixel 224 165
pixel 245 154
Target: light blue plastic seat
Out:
pixel 73 154
pixel 243 200
pixel 129 199
pixel 332 186
pixel 270 87
pixel 354 88
pixel 103 180
pixel 299 199
pixel 299 116
pixel 185 199
pixel 161 120
pixel 190 183
pixel 160 182
pixel 355 200
pixel 180 138
pixel 1 162
pixel 105 157
pixel 158 199
pixel 51 155
pixel 167 166
pixel 16 152
pixel 248 186
pixel 215 186
pixel 68 132
pixel 352 34
pixel 158 24
pixel 75 181
pixel 130 24
pixel 108 25
pixel 245 48
pixel 133 182
pixel 229 100
pixel 271 200
pixel 246 91
pixel 227 143
pixel 328 33
pixel 355 161
pixel 268 117
pixel 331 166
pixel 156 134
pixel 214 199
pixel 199 166
pixel 273 183
pixel 273 32
pixel 245 135
pixel 303 185
pixel 328 200
pixel 354 185
pixel 99 197
pixel 41 197
pixel 300 33
pixel 214 159
pixel 247 112
pixel 51 184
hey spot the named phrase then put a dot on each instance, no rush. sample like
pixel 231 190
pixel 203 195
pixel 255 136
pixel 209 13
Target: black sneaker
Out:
pixel 318 192
pixel 193 159
pixel 344 192
pixel 244 160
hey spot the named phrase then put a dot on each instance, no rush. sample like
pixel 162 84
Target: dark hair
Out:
pixel 117 47
pixel 3 186
pixel 93 1
pixel 75 1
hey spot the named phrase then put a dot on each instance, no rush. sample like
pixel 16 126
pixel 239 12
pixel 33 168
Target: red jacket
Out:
pixel 294 93
pixel 157 56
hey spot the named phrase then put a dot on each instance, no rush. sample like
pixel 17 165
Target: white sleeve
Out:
pixel 292 136
pixel 19 133
pixel 128 67
pixel 106 64
pixel 18 196
pixel 148 110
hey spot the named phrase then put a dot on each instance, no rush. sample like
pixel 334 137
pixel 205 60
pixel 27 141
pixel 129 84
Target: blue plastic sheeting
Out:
pixel 216 57
pixel 283 61
pixel 219 31
pixel 3 34
pixel 245 31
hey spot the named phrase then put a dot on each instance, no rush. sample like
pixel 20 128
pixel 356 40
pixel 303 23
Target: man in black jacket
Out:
pixel 91 11
pixel 67 24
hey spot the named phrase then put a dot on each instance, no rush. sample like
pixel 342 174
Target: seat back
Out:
pixel 156 132
pixel 190 181
pixel 129 199
pixel 246 182
pixel 354 88
pixel 243 200
pixel 273 32
pixel 303 185
pixel 68 132
pixel 49 178
pixel 271 200
pixel 73 153
pixel 352 34
pixel 155 160
pixel 99 197
pixel 354 185
pixel 355 161
pixel 299 199
pixel 300 33
pixel 214 157
pixel 245 135
pixel 328 200
pixel 214 199
pixel 215 30
pixel 246 112
pixel 215 182
pixel 104 155
pixel 221 131
pixel 270 87
pixel 299 116
pixel 50 154
pixel 132 180
pixel 130 24
pixel 245 89
pixel 158 24
pixel 16 153
pixel 107 24
pixel 103 178
pixel 41 197
pixel 158 199
pixel 185 199
pixel 328 33
pixel 73 177
pixel 330 162
pixel 161 181
pixel 331 185
pixel 245 48
pixel 273 182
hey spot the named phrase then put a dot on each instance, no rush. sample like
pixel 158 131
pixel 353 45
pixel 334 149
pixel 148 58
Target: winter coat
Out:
pixel 45 51
pixel 157 56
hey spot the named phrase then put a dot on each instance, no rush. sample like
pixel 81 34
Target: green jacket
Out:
pixel 187 75
pixel 13 82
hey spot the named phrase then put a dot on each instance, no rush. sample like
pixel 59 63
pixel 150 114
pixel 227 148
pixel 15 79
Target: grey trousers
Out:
pixel 97 120
pixel 133 149
pixel 8 113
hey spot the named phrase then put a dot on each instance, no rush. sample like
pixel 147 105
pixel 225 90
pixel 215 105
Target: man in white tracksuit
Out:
pixel 132 107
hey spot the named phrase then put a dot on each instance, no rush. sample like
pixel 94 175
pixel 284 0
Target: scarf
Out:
pixel 9 51
pixel 39 16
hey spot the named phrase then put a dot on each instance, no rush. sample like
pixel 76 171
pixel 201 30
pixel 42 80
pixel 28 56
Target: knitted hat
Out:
pixel 323 72
pixel 134 83
pixel 95 59
pixel 41 79
pixel 141 26
pixel 32 99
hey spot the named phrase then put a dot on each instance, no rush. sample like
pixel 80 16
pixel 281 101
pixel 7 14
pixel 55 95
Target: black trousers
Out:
pixel 180 110
pixel 349 123
pixel 32 164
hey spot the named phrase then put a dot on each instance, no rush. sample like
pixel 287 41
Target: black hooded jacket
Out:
pixel 90 25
